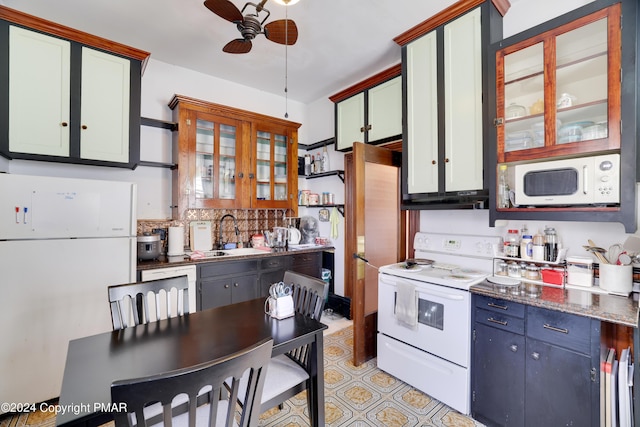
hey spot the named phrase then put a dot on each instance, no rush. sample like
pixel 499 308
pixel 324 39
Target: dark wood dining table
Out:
pixel 94 362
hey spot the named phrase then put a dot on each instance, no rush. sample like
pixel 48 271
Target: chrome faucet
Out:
pixel 235 225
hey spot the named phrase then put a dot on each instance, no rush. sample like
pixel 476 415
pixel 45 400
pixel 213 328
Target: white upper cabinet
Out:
pixel 350 121
pixel 67 96
pixel 443 136
pixel 369 114
pixel 463 103
pixel 461 128
pixel 104 113
pixel 385 110
pixel 422 115
pixel 39 81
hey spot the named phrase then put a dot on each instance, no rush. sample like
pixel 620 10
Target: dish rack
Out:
pixel 555 275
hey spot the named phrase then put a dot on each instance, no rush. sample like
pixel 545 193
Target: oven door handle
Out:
pixel 445 295
pixel 422 291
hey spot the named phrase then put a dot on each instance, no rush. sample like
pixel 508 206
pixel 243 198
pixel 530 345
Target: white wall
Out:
pixel 319 127
pixel 524 14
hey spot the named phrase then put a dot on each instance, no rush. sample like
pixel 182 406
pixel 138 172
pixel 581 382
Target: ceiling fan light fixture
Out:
pixel 286 2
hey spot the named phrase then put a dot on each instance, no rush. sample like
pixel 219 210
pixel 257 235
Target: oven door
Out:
pixel 443 319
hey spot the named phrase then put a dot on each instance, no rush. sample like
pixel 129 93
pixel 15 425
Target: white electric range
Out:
pixel 434 355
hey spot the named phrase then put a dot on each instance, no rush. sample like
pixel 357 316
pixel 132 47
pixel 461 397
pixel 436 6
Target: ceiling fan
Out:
pixel 283 31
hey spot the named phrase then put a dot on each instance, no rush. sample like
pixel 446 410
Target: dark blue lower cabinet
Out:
pixel 498 376
pixel 558 386
pixel 543 374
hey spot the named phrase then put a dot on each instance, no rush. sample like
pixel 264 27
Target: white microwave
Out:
pixel 593 180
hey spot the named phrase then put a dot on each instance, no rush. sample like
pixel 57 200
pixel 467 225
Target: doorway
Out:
pixel 376 230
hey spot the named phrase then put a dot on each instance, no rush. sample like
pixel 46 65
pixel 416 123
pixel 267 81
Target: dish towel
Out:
pixel 334 220
pixel 406 308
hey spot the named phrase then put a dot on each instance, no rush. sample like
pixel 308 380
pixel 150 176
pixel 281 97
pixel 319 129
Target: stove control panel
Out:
pixel 459 244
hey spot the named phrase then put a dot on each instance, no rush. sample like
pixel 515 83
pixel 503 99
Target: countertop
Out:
pixel 605 307
pixel 166 261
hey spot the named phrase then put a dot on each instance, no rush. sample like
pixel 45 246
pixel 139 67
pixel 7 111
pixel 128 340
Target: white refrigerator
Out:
pixel 62 242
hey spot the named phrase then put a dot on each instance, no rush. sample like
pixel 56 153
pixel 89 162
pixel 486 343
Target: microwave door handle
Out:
pixel 584 179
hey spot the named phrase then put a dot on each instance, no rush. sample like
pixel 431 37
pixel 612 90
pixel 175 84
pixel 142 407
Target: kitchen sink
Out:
pixel 244 251
pixel 213 254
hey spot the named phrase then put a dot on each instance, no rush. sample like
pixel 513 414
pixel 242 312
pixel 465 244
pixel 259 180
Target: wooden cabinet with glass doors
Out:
pixel 232 159
pixel 275 164
pixel 567 89
pixel 558 93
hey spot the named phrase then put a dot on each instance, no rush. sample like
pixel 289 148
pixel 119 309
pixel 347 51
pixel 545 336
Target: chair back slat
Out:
pixel 139 303
pixel 193 381
pixel 308 293
pixel 308 299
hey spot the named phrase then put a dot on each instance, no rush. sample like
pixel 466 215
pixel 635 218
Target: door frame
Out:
pixel 365 326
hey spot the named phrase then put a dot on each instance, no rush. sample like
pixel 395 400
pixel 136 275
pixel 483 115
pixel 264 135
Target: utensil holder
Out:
pixel 616 279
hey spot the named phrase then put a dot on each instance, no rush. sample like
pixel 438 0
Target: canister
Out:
pixel 579 271
pixel 304 198
pixel 616 279
pixel 314 199
pixel 501 268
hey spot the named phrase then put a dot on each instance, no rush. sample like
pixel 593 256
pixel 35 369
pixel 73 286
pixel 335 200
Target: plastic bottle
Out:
pixel 307 164
pixel 503 188
pixel 325 159
pixel 526 243
pixel 538 247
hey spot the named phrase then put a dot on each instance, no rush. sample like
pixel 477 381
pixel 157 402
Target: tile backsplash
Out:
pixel 250 221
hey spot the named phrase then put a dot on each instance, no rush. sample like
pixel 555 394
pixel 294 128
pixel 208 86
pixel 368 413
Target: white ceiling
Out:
pixel 340 41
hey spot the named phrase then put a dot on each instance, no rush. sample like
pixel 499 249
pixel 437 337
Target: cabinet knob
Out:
pixel 240 175
pixel 226 286
pixel 446 160
pixel 64 124
pixel 513 348
pixel 362 129
pixel 535 355
pixel 433 162
pixel 235 285
pixel 251 176
pixel 83 127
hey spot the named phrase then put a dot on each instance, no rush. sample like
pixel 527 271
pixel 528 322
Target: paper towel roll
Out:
pixel 176 241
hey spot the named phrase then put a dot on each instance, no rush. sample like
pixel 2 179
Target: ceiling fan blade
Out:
pixel 283 31
pixel 224 9
pixel 237 46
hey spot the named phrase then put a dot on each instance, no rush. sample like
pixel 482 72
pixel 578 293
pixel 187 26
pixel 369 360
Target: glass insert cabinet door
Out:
pixel 215 157
pixel 559 93
pixel 272 167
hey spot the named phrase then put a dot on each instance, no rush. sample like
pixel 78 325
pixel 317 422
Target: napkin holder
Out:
pixel 281 307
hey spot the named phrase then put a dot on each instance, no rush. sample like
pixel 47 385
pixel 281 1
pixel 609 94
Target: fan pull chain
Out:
pixel 286 62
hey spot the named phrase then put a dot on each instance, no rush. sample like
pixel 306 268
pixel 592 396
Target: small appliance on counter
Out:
pixel 148 246
pixel 176 241
pixel 201 236
pixel 309 230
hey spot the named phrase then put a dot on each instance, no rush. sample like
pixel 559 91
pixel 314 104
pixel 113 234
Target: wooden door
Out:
pixel 372 187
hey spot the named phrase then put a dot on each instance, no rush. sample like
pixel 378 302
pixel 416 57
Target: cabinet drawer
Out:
pixel 309 264
pixel 306 258
pixel 273 262
pixel 499 305
pixel 562 329
pixel 500 320
pixel 225 268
